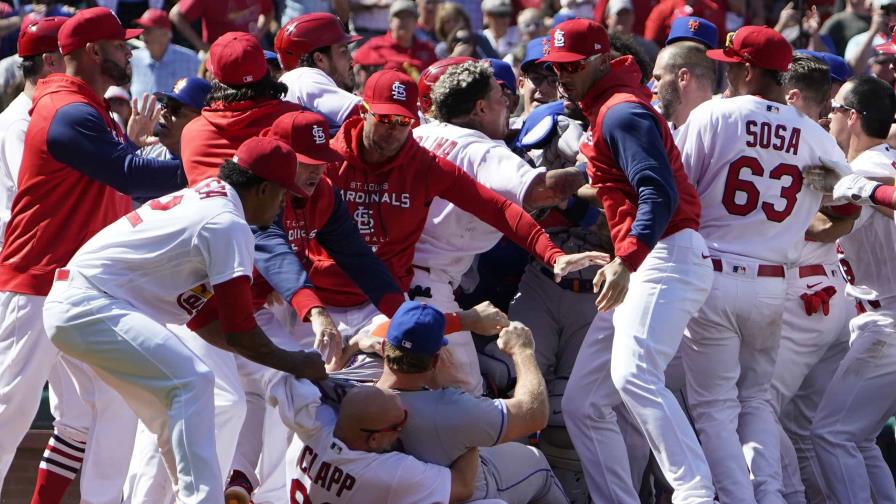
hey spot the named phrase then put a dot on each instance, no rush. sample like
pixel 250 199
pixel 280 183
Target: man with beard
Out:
pixel 313 51
pixel 75 170
pixel 683 78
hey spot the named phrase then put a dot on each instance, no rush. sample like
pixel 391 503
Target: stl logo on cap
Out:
pixel 399 92
pixel 318 133
pixel 693 25
pixel 559 38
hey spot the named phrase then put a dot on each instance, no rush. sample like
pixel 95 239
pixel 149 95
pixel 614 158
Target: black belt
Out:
pixel 577 285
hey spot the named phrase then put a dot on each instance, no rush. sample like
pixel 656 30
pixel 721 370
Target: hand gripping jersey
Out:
pixel 322 469
pixel 452 237
pixel 868 250
pixel 746 156
pixel 164 257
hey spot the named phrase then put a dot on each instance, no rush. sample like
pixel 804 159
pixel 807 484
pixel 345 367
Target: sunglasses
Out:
pixel 573 66
pixel 392 428
pixel 172 107
pixel 839 107
pixel 391 119
pixel 537 79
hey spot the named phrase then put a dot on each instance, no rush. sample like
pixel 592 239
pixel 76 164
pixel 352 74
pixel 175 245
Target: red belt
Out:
pixel 62 275
pixel 813 270
pixel 763 270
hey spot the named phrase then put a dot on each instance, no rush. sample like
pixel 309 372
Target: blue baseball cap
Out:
pixel 189 91
pixel 535 50
pixel 417 328
pixel 840 70
pixel 561 17
pixel 503 73
pixel 695 29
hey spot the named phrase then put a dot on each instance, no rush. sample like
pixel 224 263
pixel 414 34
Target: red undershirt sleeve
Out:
pixel 235 304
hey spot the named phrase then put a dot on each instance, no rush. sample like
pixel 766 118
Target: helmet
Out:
pixel 302 34
pixel 431 75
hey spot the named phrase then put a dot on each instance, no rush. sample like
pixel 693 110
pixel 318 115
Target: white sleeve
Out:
pixel 690 140
pixel 504 172
pixel 296 401
pixel 228 247
pixel 316 91
pixel 415 482
pixel 14 147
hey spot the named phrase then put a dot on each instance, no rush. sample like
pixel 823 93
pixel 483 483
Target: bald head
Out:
pixel 367 408
pixel 684 78
pixel 690 55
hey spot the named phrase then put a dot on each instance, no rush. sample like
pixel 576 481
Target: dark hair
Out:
pixel 459 88
pixel 625 45
pixel 32 66
pixel 307 59
pixel 811 76
pixel 691 55
pixel 875 102
pixel 238 177
pixel 265 89
pixel 406 362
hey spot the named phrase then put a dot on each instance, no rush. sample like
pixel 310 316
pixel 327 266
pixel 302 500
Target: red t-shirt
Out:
pixel 659 22
pixel 219 18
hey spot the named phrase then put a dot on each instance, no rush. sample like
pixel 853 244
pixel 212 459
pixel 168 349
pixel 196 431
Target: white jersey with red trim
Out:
pixel 746 157
pixel 323 469
pixel 164 257
pixel 452 237
pixel 868 250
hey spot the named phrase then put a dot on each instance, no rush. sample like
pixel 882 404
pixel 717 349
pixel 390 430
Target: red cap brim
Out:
pixel 562 57
pixel 391 108
pixel 324 154
pixel 719 55
pixel 351 39
pixel 132 33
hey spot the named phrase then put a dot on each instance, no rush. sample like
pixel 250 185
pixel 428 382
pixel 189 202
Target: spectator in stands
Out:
pixel 450 17
pixel 641 9
pixel 659 22
pixel 531 26
pixel 501 35
pixel 290 9
pixel 399 40
pixel 159 65
pixel 577 8
pixel 861 47
pixel 370 18
pixel 621 18
pixel 426 21
pixel 252 16
pixel 851 21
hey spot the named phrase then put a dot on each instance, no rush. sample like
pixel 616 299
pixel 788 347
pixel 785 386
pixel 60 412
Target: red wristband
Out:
pixel 883 196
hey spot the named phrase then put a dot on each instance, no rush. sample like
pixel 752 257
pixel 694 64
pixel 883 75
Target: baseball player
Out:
pixel 471 126
pixel 656 282
pixel 510 471
pixel 313 50
pixel 244 100
pixel 814 335
pixel 73 141
pixel 431 75
pixel 750 187
pixel 348 458
pixel 158 265
pixel 858 401
pixel 683 78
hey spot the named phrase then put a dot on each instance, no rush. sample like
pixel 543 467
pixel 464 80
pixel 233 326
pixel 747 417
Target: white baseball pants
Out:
pixel 627 365
pixel 164 382
pixel 858 402
pixel 81 404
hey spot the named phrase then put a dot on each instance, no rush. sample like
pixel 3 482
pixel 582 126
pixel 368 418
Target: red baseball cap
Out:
pixel 154 18
pixel 307 32
pixel 40 36
pixel 391 92
pixel 575 40
pixel 309 135
pixel 270 159
pixel 92 25
pixel 237 59
pixel 759 46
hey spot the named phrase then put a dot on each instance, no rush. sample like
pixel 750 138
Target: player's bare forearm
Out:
pixel 528 409
pixel 257 347
pixel 183 26
pixel 463 476
pixel 485 319
pixel 589 194
pixel 553 187
pixel 828 228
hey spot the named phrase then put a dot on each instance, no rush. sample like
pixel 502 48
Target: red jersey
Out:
pixel 57 208
pixel 383 49
pixel 659 22
pixel 390 202
pixel 216 134
pixel 614 188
